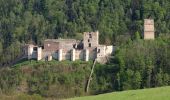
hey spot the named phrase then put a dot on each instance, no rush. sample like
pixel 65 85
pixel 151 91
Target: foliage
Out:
pixel 49 79
pixel 143 63
pixel 33 21
pixel 137 64
pixel 145 94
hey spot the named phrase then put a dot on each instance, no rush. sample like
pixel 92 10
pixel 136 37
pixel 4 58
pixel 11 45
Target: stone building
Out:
pixel 149 31
pixel 70 49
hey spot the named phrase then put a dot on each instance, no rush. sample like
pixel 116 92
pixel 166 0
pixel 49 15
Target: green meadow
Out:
pixel 162 93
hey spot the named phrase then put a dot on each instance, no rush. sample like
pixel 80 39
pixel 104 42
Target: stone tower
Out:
pixel 149 31
pixel 91 39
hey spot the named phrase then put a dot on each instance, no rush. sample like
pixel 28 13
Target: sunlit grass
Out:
pixel 162 93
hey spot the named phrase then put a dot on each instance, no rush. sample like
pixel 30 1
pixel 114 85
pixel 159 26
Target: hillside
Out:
pixel 33 21
pixel 135 64
pixel 48 79
pixel 161 93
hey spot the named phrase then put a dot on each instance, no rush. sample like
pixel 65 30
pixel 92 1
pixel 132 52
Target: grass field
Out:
pixel 162 93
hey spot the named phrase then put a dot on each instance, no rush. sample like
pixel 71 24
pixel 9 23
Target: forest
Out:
pixel 33 21
pixel 137 63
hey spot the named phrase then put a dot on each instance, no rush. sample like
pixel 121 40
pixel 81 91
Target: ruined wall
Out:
pixel 102 60
pixel 73 55
pixel 30 51
pixel 67 49
pixel 101 51
pixel 39 53
pixel 34 55
pixel 51 45
pixel 109 50
pixel 79 54
pixel 86 55
pixel 66 44
pixel 66 55
pixel 45 54
pixel 60 55
pixel 92 54
pixel 55 55
pixel 149 29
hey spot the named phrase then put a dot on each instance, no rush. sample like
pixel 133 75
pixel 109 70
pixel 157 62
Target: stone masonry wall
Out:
pixel 149 29
pixel 90 39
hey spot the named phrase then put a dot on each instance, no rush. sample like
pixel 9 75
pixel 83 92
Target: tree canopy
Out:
pixel 32 21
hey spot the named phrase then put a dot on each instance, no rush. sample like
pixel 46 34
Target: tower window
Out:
pixel 98 51
pixel 88 40
pixel 89 44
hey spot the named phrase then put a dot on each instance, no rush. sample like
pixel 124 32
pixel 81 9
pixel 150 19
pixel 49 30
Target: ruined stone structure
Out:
pixel 149 31
pixel 70 49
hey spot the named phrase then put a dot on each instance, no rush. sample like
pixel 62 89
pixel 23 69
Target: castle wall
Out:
pixel 102 60
pixel 51 45
pixel 86 56
pixel 66 55
pixel 30 51
pixel 55 55
pixel 73 56
pixel 70 49
pixel 39 53
pixel 46 54
pixel 34 55
pixel 79 54
pixel 67 44
pixel 60 55
pixel 101 51
pixel 67 49
pixel 109 50
pixel 49 58
pixel 92 54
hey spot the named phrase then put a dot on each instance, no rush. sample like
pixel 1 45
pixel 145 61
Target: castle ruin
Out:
pixel 70 49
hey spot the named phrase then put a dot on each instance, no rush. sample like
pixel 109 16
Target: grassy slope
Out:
pixel 21 97
pixel 162 93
